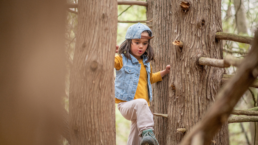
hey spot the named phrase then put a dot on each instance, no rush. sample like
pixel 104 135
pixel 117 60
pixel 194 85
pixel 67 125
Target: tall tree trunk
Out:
pixel 92 104
pixel 240 16
pixel 32 73
pixel 160 89
pixel 194 86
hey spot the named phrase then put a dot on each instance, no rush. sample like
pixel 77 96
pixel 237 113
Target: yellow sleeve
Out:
pixel 155 77
pixel 118 62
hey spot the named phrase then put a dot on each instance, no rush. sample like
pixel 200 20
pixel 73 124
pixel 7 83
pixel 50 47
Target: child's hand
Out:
pixel 165 71
pixel 117 48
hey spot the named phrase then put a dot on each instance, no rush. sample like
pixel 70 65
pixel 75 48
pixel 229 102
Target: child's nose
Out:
pixel 141 45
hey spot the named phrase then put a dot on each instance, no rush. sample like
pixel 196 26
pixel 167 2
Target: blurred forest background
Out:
pixel 238 17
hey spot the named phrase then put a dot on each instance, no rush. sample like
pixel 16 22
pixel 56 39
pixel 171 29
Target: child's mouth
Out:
pixel 140 51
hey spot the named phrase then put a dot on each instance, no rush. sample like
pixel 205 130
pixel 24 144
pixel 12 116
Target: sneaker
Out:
pixel 148 138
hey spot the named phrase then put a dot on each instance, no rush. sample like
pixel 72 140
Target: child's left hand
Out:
pixel 165 71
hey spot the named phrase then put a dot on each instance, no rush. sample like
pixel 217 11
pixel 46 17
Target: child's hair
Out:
pixel 126 46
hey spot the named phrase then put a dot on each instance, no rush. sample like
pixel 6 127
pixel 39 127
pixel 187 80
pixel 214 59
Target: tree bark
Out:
pixel 160 89
pixel 92 104
pixel 195 24
pixel 32 65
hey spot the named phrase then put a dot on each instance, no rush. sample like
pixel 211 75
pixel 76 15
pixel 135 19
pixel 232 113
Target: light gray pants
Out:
pixel 138 112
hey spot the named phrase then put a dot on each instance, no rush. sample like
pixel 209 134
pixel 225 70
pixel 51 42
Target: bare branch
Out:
pixel 245 112
pixel 238 119
pixel 141 21
pixel 253 109
pixel 228 77
pixel 124 11
pixel 213 62
pixel 181 130
pixel 162 115
pixel 139 3
pixel 71 11
pixel 233 37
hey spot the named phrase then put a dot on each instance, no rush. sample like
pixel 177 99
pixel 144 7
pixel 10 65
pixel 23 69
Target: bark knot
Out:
pixel 94 65
pixel 185 6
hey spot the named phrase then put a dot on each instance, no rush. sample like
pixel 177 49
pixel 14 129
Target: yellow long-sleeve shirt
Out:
pixel 142 87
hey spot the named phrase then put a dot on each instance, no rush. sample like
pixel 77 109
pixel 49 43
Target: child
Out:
pixel 133 83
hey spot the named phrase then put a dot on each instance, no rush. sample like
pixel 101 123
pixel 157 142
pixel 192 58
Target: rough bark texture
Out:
pixel 32 73
pixel 92 104
pixel 195 86
pixel 161 45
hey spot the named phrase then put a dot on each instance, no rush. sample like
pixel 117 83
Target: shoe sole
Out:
pixel 147 141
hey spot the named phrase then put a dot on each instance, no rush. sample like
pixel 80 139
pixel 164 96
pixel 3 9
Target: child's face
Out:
pixel 139 46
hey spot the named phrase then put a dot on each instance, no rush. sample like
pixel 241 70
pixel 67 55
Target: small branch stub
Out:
pixel 213 62
pixel 161 115
pixel 185 6
pixel 181 130
pixel 178 43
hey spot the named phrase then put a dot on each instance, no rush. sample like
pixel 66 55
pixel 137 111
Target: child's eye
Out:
pixel 145 43
pixel 136 42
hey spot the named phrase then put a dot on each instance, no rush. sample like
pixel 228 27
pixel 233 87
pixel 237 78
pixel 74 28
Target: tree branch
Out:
pixel 245 112
pixel 139 3
pixel 238 119
pixel 71 11
pixel 142 21
pixel 253 109
pixel 227 98
pixel 213 62
pixel 233 37
pixel 162 115
pixel 226 78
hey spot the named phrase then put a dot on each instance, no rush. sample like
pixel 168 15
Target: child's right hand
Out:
pixel 117 48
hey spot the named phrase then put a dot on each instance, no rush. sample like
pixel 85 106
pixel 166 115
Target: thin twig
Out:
pixel 124 11
pixel 243 130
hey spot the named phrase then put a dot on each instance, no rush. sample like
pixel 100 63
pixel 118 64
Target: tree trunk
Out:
pixel 191 88
pixel 160 89
pixel 92 104
pixel 240 16
pixel 32 73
